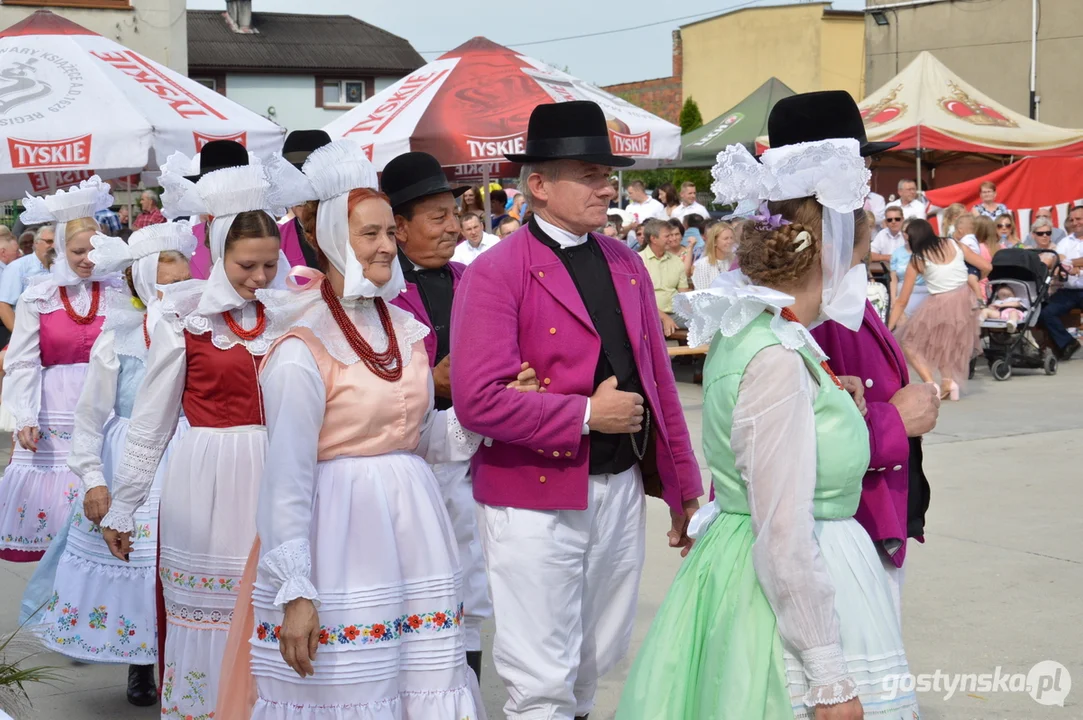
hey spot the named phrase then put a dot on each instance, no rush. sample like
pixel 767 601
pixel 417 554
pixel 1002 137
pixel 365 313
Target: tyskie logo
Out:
pixel 487 148
pixel 624 144
pixel 41 182
pixel 51 154
pixel 203 138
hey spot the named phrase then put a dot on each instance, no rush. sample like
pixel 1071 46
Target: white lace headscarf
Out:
pixel 86 199
pixel 833 172
pixel 141 253
pixel 222 194
pixel 328 175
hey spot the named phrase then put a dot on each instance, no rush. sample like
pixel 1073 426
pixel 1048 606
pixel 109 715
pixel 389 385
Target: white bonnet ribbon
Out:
pixel 845 289
pixel 333 237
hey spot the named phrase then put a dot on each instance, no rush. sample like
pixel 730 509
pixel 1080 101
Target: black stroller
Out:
pixel 1008 346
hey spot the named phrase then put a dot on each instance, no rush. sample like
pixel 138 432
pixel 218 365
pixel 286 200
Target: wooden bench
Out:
pixel 684 350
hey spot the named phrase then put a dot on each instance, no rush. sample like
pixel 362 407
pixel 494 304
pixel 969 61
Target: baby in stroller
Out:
pixel 1005 306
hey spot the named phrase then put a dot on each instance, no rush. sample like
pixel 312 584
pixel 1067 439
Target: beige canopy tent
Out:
pixel 937 118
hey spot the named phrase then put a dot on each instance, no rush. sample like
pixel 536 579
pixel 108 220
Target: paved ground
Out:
pixel 996 585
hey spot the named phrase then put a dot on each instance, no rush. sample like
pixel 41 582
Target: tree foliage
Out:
pixel 691 118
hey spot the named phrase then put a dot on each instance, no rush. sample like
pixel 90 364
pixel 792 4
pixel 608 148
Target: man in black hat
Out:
pixel 562 485
pixel 221 154
pixel 427 230
pixel 298 146
pixel 895 494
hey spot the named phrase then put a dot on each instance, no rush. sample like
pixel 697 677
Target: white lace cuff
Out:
pixel 93 479
pixel 289 566
pixel 121 517
pixel 25 420
pixel 828 680
pixel 464 441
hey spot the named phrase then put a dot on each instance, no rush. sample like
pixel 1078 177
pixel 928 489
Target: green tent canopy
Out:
pixel 741 124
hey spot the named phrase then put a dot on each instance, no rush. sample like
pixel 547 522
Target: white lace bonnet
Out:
pixel 141 252
pixel 832 171
pixel 328 175
pixel 84 200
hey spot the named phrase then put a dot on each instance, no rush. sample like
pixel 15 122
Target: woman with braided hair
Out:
pixel 783 609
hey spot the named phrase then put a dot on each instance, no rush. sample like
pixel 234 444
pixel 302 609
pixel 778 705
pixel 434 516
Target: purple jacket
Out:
pixel 517 303
pixel 873 355
pixel 411 302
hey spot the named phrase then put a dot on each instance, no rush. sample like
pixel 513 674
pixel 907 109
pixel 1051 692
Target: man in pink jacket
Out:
pixel 562 485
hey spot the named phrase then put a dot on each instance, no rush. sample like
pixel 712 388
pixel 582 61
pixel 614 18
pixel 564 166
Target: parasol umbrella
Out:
pixel 471 106
pixel 740 125
pixel 74 103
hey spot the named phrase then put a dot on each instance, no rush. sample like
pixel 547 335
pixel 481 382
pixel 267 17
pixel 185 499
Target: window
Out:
pixel 210 83
pixel 343 92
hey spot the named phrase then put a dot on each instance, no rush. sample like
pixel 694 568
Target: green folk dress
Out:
pixel 714 651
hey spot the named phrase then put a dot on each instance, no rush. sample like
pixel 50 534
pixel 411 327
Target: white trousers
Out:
pixel 454 479
pixel 895 575
pixel 564 585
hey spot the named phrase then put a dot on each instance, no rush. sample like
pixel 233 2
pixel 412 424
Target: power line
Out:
pixel 731 8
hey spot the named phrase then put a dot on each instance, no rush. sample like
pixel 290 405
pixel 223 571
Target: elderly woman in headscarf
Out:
pixel 356 609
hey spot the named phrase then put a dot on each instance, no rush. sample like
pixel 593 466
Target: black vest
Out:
pixel 590 272
pixel 437 289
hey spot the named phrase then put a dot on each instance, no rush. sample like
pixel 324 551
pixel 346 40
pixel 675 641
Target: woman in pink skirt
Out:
pixel 942 334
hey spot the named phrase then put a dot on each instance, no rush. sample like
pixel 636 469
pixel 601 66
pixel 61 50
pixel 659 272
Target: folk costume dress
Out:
pixel 57 320
pixel 102 609
pixel 204 357
pixel 783 603
pixel 350 515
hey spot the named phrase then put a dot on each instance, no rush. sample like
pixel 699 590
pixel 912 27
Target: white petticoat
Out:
pixel 208 525
pixel 868 625
pixel 102 609
pixel 38 489
pixel 385 564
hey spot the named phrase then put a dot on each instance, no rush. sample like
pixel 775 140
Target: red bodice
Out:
pixel 65 342
pixel 221 389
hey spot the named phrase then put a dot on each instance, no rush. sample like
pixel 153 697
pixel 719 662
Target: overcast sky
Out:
pixel 610 58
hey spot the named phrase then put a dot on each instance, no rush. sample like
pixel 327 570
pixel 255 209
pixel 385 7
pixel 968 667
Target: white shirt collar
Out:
pixel 564 238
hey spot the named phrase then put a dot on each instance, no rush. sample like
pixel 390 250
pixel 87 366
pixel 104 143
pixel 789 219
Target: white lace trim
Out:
pixel 290 567
pixel 24 420
pixel 126 324
pixel 288 309
pixel 83 200
pixel 731 304
pixel 180 306
pixel 44 292
pixel 465 440
pixel 93 479
pixel 829 683
pixel 22 365
pixel 121 517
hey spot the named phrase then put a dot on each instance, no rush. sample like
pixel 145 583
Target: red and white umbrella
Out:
pixel 74 104
pixel 471 106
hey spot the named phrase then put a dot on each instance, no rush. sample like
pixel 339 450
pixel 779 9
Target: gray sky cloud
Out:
pixel 433 26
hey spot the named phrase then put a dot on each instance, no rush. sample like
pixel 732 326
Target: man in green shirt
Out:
pixel 666 270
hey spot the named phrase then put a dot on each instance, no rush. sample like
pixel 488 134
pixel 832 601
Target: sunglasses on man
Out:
pixel 895 219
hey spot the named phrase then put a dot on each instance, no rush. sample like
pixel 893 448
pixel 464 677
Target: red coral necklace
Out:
pixel 95 298
pixel 789 316
pixel 255 332
pixel 386 365
pixel 146 335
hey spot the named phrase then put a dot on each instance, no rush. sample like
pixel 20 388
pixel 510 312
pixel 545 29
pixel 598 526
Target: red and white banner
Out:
pixel 74 102
pixel 472 105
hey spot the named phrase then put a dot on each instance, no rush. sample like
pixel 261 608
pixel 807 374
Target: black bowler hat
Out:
pixel 300 144
pixel 219 154
pixel 573 130
pixel 415 175
pixel 826 115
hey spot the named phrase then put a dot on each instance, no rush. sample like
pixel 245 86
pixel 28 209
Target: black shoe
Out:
pixel 1067 353
pixel 473 659
pixel 141 688
pixel 582 717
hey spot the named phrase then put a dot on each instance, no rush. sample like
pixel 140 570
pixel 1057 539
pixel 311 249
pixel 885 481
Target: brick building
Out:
pixel 661 96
